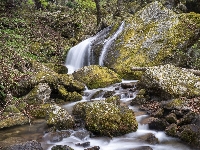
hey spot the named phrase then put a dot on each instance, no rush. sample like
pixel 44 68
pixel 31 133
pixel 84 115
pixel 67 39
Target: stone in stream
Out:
pixel 143 148
pixel 61 147
pixel 29 145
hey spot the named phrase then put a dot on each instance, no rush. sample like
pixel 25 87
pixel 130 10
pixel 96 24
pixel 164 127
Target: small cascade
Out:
pixel 108 42
pixel 78 54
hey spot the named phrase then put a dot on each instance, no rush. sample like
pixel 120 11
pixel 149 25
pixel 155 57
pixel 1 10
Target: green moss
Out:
pixel 175 103
pixel 68 96
pixel 149 41
pixel 60 69
pixel 96 76
pixel 41 111
pixel 106 119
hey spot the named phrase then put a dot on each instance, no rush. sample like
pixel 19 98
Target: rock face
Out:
pixel 155 35
pixel 95 76
pixel 106 119
pixel 168 81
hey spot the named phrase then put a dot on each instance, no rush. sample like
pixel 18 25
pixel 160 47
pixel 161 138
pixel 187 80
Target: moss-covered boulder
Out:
pixel 154 35
pixel 13 120
pixel 168 81
pixel 39 94
pixel 59 118
pixel 190 134
pixel 106 119
pixel 58 68
pixel 68 96
pixel 95 76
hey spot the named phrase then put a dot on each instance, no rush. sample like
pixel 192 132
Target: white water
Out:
pixel 77 55
pixel 127 141
pixel 108 43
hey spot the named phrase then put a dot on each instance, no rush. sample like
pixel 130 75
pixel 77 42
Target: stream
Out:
pixel 36 131
pixel 125 142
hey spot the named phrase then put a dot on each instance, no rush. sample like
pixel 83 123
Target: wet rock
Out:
pixel 172 130
pixel 189 118
pixel 107 119
pixel 158 124
pixel 140 98
pixel 66 133
pixel 190 134
pixel 171 118
pixel 158 113
pixel 128 85
pixel 93 148
pixel 96 76
pixel 81 134
pixel 61 147
pixel 97 94
pixel 143 148
pixel 149 138
pixel 55 136
pixel 113 99
pixel 59 118
pixel 108 94
pixel 85 144
pixel 25 146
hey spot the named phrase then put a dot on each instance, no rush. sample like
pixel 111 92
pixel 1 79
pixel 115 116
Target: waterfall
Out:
pixel 108 42
pixel 78 54
pixel 81 55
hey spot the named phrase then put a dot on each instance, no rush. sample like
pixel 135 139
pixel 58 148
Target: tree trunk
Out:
pixel 195 72
pixel 97 2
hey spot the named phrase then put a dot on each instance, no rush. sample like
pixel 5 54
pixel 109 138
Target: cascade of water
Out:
pixel 80 55
pixel 109 42
pixel 77 55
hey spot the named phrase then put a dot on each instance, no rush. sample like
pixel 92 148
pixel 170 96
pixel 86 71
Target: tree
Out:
pixel 97 2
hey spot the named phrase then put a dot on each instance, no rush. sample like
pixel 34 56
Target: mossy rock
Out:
pixel 95 76
pixel 39 94
pixel 190 134
pixel 61 147
pixel 172 130
pixel 154 35
pixel 106 119
pixel 70 83
pixel 68 96
pixel 58 68
pixel 13 120
pixel 40 111
pixel 59 118
pixel 168 81
pixel 114 99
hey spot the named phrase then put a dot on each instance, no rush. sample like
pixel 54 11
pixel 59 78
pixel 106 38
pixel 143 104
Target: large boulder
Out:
pixel 13 120
pixel 106 119
pixel 59 118
pixel 154 35
pixel 95 76
pixel 39 94
pixel 168 81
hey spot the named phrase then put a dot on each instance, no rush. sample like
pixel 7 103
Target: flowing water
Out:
pixel 79 55
pixel 127 141
pixel 108 42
